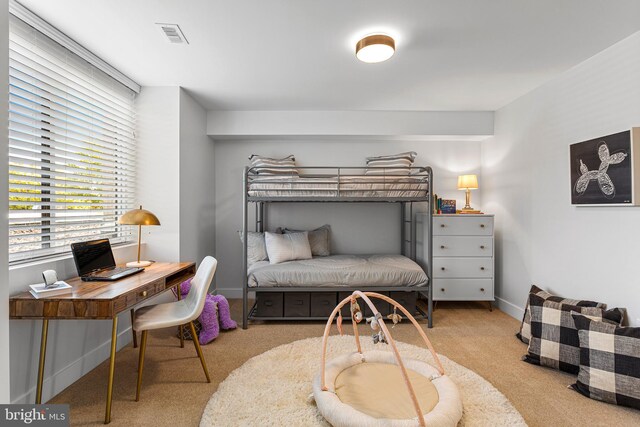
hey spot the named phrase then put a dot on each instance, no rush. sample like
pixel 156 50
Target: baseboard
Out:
pixel 510 308
pixel 60 380
pixel 229 292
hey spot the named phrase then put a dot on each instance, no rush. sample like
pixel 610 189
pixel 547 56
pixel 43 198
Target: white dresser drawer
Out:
pixel 463 225
pixel 473 246
pixel 463 290
pixel 462 267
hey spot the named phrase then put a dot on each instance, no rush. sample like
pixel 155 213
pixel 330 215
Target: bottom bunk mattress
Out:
pixel 339 271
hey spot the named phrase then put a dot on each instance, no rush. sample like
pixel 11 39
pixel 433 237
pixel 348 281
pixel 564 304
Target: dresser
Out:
pixel 463 258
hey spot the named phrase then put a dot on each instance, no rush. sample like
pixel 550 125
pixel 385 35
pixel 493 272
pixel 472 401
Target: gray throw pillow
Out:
pixel 318 240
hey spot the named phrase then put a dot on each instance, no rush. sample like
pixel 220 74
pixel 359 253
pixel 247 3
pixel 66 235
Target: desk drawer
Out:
pixel 462 246
pixel 463 290
pixel 134 297
pixel 463 225
pixel 462 267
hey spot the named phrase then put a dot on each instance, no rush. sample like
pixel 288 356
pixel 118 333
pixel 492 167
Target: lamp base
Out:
pixel 139 264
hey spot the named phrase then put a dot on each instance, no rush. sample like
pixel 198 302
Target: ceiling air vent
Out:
pixel 173 33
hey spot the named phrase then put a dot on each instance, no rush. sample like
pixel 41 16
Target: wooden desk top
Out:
pixel 101 300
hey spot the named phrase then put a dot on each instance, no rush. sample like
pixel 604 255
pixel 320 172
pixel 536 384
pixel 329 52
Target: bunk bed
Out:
pixel 323 278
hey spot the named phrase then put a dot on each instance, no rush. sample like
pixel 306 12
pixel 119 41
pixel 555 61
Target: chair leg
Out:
pixel 143 346
pixel 135 335
pixel 199 351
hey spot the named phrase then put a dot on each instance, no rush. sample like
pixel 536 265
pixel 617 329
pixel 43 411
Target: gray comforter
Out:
pixel 339 270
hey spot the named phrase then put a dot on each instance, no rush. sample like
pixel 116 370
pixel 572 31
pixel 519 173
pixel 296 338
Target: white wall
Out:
pixel 197 176
pixel 356 228
pixel 579 252
pixel 252 124
pixel 4 206
pixel 158 168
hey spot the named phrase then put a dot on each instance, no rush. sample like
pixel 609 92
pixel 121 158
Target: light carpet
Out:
pixel 273 388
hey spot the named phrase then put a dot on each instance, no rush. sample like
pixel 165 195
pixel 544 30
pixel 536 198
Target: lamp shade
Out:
pixel 467 182
pixel 139 217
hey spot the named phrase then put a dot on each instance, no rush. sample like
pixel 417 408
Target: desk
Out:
pixel 98 301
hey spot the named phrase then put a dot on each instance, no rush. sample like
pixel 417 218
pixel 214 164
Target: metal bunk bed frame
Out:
pixel 406 206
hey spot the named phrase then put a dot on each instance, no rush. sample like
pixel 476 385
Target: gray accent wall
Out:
pixel 356 228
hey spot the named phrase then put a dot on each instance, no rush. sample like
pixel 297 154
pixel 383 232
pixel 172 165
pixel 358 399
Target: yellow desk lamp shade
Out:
pixel 468 183
pixel 139 217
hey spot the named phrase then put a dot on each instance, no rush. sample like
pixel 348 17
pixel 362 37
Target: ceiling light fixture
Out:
pixel 375 48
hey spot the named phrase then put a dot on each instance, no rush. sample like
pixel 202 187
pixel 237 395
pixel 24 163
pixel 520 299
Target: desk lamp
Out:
pixel 139 217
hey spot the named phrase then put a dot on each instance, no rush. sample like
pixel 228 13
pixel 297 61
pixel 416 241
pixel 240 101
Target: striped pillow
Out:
pixel 395 164
pixel 267 166
pixel 287 247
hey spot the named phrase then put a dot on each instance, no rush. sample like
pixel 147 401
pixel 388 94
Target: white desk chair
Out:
pixel 176 314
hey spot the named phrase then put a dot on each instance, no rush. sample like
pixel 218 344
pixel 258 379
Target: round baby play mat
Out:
pixel 274 388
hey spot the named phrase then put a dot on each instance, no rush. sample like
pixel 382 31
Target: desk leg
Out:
pixel 43 354
pixel 135 336
pixel 112 366
pixel 180 327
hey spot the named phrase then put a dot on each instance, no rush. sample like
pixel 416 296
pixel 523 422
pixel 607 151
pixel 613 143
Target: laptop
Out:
pixel 95 262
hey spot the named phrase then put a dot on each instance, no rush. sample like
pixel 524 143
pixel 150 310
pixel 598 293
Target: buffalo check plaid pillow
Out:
pixel 554 338
pixel 525 328
pixel 609 362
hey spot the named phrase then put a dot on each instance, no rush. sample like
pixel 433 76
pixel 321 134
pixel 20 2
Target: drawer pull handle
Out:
pixel 482 247
pixel 268 303
pixel 143 294
pixel 325 303
pixel 482 268
pixel 442 289
pixel 298 302
pixel 442 268
pixel 442 225
pixel 441 246
pixel 482 289
pixel 481 225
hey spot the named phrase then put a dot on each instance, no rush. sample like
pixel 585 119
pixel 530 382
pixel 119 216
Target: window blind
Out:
pixel 71 148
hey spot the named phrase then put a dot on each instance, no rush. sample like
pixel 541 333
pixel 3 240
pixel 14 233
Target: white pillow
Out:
pixel 287 247
pixel 318 239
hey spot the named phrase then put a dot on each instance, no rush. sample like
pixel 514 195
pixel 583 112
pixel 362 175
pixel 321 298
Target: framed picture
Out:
pixel 603 170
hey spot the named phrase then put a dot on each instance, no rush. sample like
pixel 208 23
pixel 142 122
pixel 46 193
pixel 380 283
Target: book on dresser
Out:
pixel 463 256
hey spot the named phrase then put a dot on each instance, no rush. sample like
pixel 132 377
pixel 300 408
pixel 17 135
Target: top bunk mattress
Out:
pixel 339 271
pixel 345 186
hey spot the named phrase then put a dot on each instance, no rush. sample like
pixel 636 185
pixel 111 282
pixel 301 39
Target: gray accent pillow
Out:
pixel 318 240
pixel 256 247
pixel 287 247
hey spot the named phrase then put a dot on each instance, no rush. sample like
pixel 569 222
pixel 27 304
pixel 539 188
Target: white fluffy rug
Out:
pixel 273 388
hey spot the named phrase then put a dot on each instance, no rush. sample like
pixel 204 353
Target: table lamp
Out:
pixel 139 217
pixel 468 183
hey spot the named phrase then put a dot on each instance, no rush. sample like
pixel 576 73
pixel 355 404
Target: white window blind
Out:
pixel 71 148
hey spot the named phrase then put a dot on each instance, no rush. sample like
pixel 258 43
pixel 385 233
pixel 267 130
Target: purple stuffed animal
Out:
pixel 215 315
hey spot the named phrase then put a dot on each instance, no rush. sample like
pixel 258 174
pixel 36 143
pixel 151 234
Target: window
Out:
pixel 71 148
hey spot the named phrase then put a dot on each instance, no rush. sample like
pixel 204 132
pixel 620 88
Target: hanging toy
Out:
pixel 339 324
pixel 380 337
pixel 373 322
pixel 356 313
pixel 395 317
pixel 375 325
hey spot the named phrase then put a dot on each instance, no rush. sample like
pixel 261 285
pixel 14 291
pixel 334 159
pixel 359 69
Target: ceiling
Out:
pixel 451 55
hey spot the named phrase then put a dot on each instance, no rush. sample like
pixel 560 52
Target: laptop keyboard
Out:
pixel 110 272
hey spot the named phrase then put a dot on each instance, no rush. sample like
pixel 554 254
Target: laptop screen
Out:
pixel 92 255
